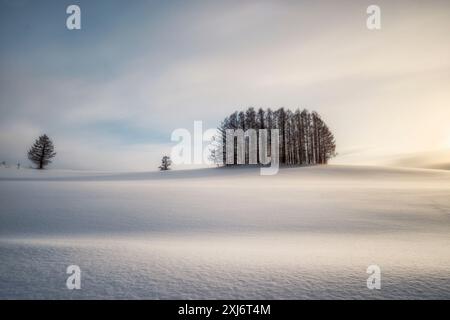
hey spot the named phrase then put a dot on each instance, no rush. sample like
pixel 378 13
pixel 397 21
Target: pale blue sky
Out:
pixel 115 90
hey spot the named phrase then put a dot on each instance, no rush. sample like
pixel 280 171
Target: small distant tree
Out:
pixel 42 151
pixel 215 155
pixel 165 163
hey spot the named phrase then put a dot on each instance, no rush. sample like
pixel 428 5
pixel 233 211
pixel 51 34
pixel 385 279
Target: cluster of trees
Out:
pixel 304 138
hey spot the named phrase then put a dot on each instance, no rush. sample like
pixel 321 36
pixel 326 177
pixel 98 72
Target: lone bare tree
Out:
pixel 42 151
pixel 165 163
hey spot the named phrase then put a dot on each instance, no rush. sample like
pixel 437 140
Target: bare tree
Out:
pixel 165 163
pixel 42 151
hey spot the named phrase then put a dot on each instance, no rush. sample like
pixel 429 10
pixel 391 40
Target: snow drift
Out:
pixel 308 232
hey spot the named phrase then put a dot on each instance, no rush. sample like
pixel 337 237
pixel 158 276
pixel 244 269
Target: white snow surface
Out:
pixel 226 233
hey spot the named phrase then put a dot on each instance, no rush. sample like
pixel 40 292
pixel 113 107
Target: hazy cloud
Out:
pixel 135 72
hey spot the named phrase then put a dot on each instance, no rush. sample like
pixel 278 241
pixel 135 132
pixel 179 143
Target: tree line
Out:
pixel 304 138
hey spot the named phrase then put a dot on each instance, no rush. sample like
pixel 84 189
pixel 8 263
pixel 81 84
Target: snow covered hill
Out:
pixel 308 232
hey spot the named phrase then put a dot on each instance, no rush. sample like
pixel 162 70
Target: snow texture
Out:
pixel 221 233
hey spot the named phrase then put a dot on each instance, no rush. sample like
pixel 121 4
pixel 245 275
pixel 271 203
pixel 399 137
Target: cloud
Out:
pixel 133 76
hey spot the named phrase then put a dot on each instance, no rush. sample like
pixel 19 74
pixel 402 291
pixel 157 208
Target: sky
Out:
pixel 111 94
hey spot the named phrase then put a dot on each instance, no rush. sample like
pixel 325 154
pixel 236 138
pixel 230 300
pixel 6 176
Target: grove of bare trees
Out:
pixel 304 138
